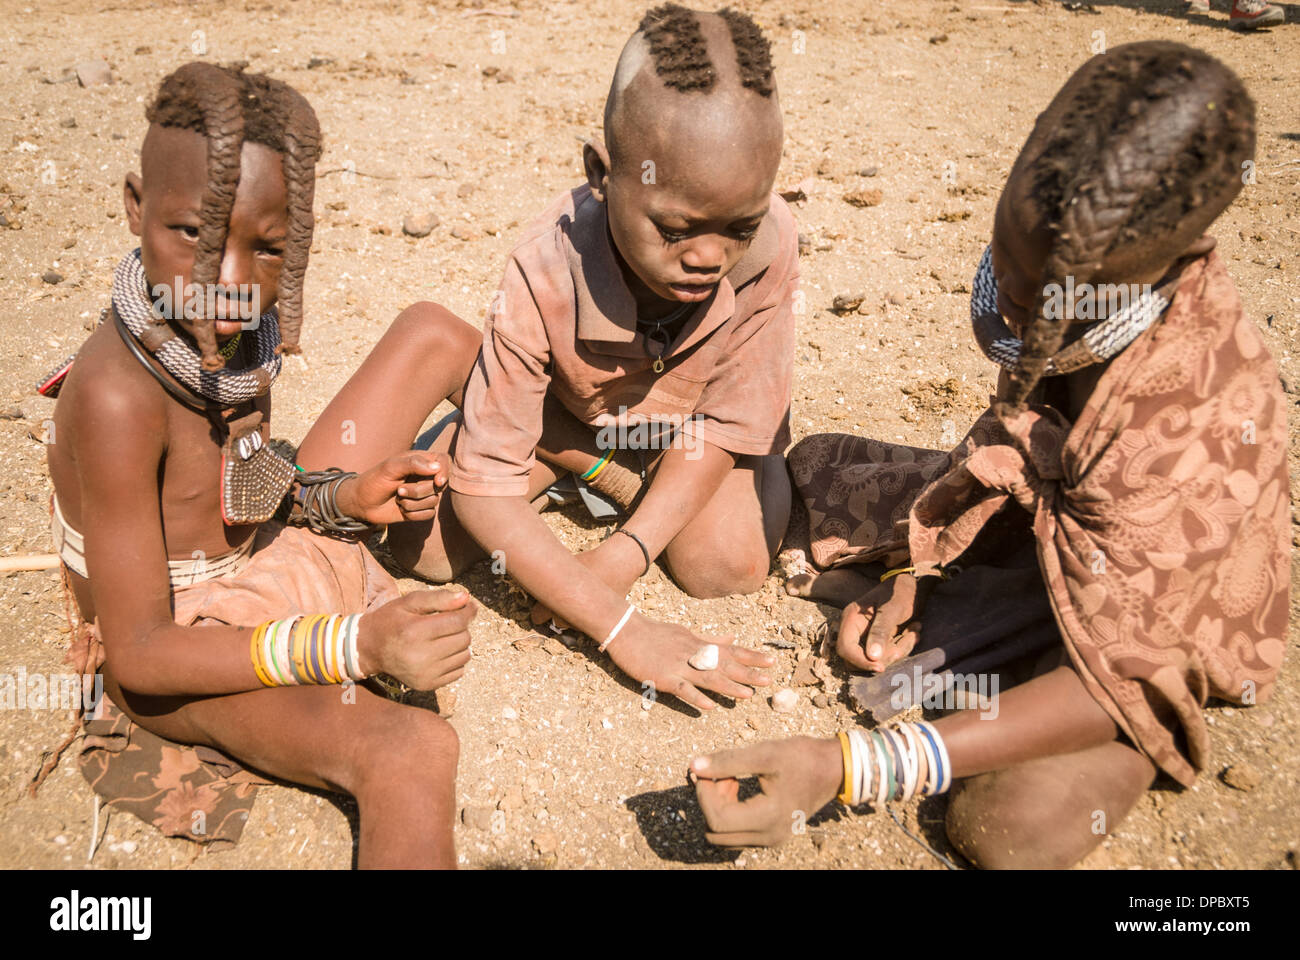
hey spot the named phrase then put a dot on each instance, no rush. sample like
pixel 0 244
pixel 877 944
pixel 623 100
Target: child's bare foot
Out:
pixel 838 587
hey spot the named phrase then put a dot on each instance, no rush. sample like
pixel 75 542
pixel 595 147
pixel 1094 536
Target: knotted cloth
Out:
pixel 1161 516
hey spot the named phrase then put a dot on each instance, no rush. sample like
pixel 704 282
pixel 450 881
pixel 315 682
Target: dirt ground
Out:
pixel 476 114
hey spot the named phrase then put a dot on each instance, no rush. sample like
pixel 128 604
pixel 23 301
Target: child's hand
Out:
pixel 422 639
pixel 390 491
pixel 881 626
pixel 657 654
pixel 797 778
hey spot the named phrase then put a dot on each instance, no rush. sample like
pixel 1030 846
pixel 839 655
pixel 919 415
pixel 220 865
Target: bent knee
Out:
pixel 708 574
pixel 1046 814
pixel 431 327
pixel 408 743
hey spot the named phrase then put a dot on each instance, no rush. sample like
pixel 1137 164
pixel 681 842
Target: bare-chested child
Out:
pixel 1124 501
pixel 163 476
pixel 661 290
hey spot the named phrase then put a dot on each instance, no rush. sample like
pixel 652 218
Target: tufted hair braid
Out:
pixel 228 106
pixel 1152 134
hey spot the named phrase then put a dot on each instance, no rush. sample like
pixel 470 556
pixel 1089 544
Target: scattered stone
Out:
pixel 383 230
pixel 69 243
pixel 705 658
pixel 419 224
pixel 315 62
pixel 895 297
pixel 805 245
pixel 513 799
pixel 804 675
pixel 116 136
pixel 785 701
pixel 1242 776
pixel 941 38
pixel 526 644
pixel 14 413
pixel 554 647
pixel 491 71
pixel 477 818
pixel 128 846
pixel 847 302
pixel 52 276
pixel 864 308
pixel 868 171
pixel 797 193
pixel 464 190
pixel 819 840
pixel 463 233
pixel 545 842
pixel 510 713
pixel 865 198
pixel 821 701
pixel 93 73
pixel 69 123
pixel 954 216
pixel 142 51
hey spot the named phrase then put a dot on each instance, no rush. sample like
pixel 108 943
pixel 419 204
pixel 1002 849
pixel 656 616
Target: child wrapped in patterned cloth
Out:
pixel 1127 502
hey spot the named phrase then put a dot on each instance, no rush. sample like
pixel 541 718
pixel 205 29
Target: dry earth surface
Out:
pixel 476 115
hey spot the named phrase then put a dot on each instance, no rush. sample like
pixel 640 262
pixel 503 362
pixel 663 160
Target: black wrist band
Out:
pixel 644 552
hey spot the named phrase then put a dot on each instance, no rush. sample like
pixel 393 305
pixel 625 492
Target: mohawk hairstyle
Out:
pixel 1150 143
pixel 229 107
pixel 681 54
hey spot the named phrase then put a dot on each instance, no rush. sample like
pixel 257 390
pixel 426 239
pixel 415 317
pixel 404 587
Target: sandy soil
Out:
pixel 431 109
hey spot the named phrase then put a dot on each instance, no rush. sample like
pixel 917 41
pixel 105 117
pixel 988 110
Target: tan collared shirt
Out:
pixel 564 321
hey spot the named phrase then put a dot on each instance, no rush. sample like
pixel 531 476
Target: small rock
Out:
pixel 606 724
pixel 464 190
pixel 554 647
pixel 864 308
pixel 93 73
pixel 52 276
pixel 705 658
pixel 13 413
pixel 1242 776
pixel 805 245
pixel 142 51
pixel 804 676
pixel 477 818
pixel 821 701
pixel 463 233
pixel 895 297
pixel 129 846
pixel 868 172
pixel 315 62
pixel 491 71
pixel 69 243
pixel 941 38
pixel 865 198
pixel 513 799
pixel 61 840
pixel 419 224
pixel 509 713
pixel 819 840
pixel 526 644
pixel 69 123
pixel 847 302
pixel 785 701
pixel 545 842
pixel 446 702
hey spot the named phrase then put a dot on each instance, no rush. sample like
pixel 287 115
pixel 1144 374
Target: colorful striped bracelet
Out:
pixel 306 650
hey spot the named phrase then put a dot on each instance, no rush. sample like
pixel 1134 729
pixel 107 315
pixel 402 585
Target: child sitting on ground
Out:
pixel 654 304
pixel 164 480
pixel 1140 470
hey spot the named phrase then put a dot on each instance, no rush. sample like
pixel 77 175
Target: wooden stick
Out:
pixel 30 561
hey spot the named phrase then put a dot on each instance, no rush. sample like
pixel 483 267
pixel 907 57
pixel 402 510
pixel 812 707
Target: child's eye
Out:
pixel 189 232
pixel 747 234
pixel 273 251
pixel 669 235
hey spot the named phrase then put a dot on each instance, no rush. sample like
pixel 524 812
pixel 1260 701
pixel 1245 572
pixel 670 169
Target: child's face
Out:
pixel 683 232
pixel 162 208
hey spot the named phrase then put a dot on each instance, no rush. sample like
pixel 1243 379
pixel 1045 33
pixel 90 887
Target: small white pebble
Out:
pixel 128 846
pixel 606 724
pixel 61 840
pixel 705 658
pixel 785 701
pixel 510 713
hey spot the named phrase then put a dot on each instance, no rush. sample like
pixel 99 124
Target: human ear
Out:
pixel 595 161
pixel 132 191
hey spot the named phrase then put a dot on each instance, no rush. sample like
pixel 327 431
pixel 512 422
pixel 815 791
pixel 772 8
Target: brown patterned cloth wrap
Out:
pixel 1161 517
pixel 197 792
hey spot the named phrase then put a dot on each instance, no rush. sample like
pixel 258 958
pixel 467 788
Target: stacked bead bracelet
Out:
pixel 885 765
pixel 315 649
